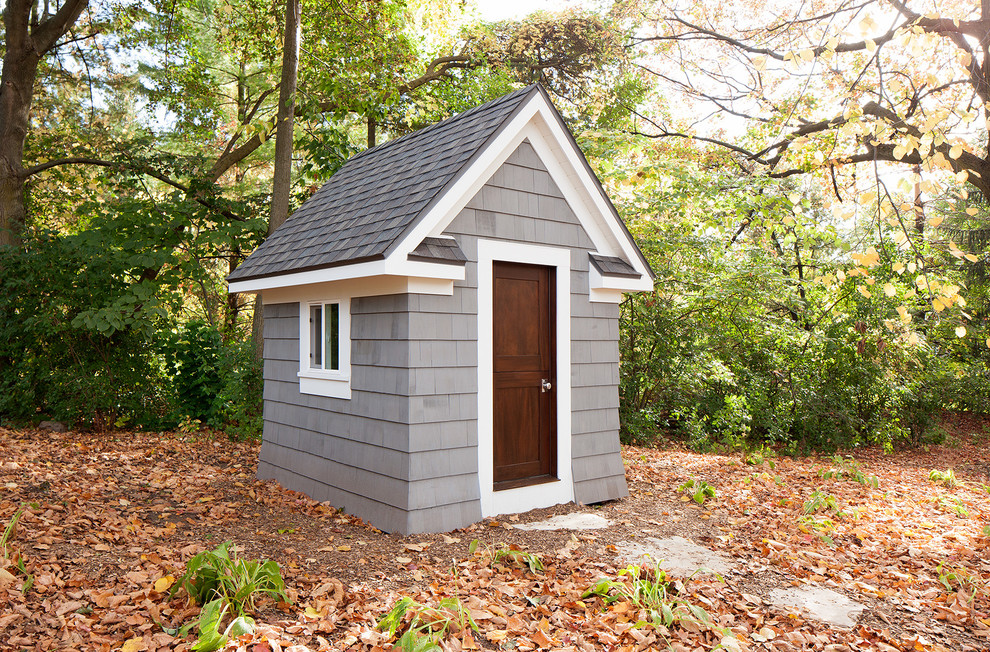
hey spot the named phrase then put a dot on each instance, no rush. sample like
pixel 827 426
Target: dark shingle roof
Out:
pixel 614 266
pixel 438 250
pixel 379 194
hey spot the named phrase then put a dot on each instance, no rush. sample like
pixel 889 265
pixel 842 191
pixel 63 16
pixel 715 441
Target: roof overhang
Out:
pixel 538 122
pixel 378 268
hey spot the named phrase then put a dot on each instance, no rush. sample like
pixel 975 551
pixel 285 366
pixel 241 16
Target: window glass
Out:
pixel 316 330
pixel 333 336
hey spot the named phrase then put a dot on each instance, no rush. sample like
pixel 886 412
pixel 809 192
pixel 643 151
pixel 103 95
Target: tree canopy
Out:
pixel 809 181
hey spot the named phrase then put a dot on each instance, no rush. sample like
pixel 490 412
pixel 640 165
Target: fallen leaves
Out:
pixel 110 521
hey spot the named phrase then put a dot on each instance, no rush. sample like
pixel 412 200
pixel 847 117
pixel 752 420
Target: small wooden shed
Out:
pixel 441 325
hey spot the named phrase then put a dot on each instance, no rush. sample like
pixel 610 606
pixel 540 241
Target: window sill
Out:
pixel 332 384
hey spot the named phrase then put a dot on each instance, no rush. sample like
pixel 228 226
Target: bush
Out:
pixel 195 354
pixel 82 341
pixel 76 337
pixel 217 383
pixel 734 348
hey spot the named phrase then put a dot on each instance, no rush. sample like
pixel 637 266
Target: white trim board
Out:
pixel 370 286
pixel 379 268
pixel 537 123
pixel 522 499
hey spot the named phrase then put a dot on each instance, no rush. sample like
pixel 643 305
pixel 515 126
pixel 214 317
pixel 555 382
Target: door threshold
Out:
pixel 524 482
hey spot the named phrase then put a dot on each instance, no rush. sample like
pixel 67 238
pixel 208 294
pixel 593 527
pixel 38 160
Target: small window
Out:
pixel 324 325
pixel 324 348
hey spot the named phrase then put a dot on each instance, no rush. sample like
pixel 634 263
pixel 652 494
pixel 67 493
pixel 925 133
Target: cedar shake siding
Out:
pixel 522 203
pixel 350 452
pixel 394 247
pixel 402 451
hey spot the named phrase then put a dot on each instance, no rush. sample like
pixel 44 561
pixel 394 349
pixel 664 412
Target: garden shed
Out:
pixel 441 325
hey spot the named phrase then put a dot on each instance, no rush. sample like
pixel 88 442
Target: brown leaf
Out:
pixel 67 607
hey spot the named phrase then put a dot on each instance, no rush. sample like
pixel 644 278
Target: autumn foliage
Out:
pixel 110 522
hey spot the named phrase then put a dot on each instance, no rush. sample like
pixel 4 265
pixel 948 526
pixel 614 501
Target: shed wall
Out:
pixel 521 203
pixel 353 453
pixel 402 451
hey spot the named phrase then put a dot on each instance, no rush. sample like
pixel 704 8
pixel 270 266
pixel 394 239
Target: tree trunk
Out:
pixel 27 39
pixel 282 182
pixel 20 66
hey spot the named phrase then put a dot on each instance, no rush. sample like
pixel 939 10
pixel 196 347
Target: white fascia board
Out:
pixel 367 270
pixel 359 287
pixel 537 122
pixel 605 296
pixel 599 281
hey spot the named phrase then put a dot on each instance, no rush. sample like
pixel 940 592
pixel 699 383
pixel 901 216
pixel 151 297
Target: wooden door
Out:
pixel 524 390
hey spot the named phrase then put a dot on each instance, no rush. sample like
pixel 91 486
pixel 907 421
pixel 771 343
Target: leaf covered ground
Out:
pixel 110 521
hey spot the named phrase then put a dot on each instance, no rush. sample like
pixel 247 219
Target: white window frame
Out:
pixel 334 383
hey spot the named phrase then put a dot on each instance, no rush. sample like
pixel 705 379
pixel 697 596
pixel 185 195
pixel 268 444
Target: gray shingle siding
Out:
pixel 402 452
pixel 354 452
pixel 520 190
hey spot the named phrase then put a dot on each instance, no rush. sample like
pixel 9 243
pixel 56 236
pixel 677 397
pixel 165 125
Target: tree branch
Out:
pixel 50 30
pixel 83 160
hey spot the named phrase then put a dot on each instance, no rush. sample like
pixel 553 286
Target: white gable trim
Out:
pixel 409 269
pixel 537 121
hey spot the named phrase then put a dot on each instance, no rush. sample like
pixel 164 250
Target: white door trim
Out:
pixel 522 499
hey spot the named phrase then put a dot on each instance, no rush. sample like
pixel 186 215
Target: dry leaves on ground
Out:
pixel 109 522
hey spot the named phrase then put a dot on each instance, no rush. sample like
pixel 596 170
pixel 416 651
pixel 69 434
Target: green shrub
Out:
pixel 195 355
pixel 238 407
pixel 77 336
pixel 216 383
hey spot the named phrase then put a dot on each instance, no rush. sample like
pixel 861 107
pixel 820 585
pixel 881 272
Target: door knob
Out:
pixel 545 386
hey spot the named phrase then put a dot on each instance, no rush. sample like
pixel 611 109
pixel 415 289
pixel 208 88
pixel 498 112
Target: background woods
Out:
pixel 810 191
pixel 137 165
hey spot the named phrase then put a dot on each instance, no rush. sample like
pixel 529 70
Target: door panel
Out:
pixel 523 344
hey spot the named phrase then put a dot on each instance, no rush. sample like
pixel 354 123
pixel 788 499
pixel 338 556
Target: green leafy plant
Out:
pixel 819 526
pixel 511 553
pixel 651 590
pixel 423 627
pixel 847 468
pixel 953 504
pixel 812 523
pixel 698 490
pixel 220 582
pixel 960 581
pixel 759 455
pixel 820 500
pixel 211 619
pixel 945 478
pixel 10 556
pixel 8 532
